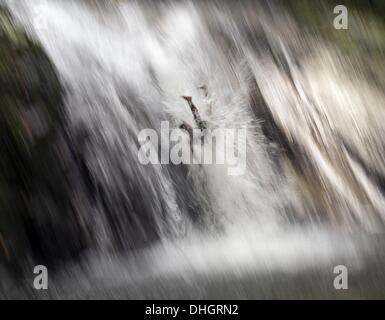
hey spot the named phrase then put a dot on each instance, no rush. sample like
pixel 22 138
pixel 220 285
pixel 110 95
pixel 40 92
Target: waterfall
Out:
pixel 313 128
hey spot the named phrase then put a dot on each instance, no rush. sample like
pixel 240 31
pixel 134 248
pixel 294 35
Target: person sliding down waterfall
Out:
pixel 202 125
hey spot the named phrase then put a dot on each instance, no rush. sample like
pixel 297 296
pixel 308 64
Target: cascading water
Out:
pixel 313 138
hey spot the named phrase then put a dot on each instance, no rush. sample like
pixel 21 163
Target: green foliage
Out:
pixel 364 40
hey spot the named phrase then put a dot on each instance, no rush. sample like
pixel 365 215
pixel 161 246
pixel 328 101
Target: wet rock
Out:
pixel 36 212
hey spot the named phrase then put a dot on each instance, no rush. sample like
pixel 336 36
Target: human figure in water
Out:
pixel 197 118
pixel 202 125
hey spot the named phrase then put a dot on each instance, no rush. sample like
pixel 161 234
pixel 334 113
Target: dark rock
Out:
pixel 38 222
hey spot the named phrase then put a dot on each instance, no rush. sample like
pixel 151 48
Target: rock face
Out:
pixel 36 214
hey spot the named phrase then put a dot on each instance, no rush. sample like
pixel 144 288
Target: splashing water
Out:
pixel 313 136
